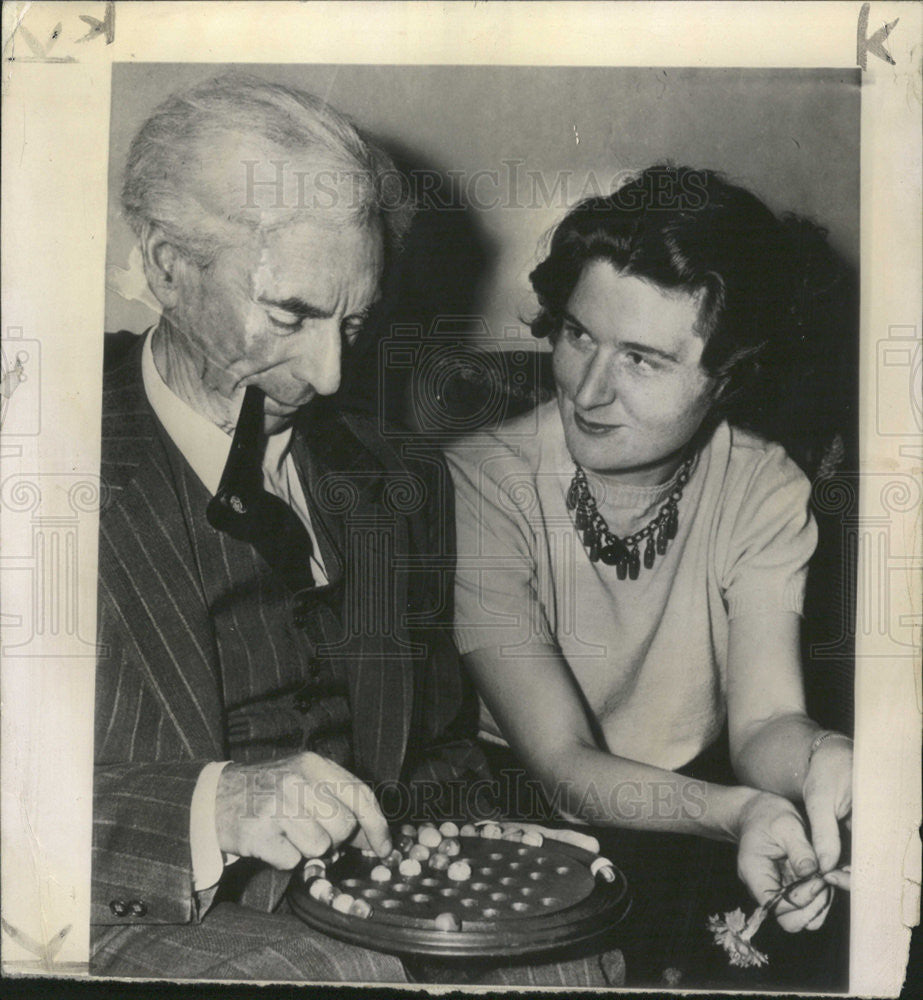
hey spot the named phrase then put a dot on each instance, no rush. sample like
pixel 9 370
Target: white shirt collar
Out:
pixel 204 445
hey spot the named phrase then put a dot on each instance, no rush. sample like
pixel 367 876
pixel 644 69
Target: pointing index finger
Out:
pixel 355 795
pixel 359 797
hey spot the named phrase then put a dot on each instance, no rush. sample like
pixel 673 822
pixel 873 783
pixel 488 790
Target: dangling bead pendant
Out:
pixel 625 553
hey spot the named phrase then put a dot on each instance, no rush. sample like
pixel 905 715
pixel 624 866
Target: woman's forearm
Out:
pixel 592 786
pixel 773 755
pixel 534 702
pixel 770 731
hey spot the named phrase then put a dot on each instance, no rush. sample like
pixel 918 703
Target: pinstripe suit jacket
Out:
pixel 160 714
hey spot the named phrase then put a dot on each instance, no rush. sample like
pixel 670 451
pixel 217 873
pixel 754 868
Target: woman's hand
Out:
pixel 774 850
pixel 828 797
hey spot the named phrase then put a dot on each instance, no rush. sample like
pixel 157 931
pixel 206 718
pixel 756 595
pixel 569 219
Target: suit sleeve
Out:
pixel 144 779
pixel 142 870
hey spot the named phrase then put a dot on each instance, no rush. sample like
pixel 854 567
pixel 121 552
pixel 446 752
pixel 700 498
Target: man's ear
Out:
pixel 162 263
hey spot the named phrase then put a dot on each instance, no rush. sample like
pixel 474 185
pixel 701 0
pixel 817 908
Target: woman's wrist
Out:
pixel 825 736
pixel 741 800
pixel 753 803
pixel 826 741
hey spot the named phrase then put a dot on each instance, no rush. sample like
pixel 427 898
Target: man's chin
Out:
pixel 278 416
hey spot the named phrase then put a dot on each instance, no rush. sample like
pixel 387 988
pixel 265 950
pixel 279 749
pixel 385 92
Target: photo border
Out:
pixel 56 92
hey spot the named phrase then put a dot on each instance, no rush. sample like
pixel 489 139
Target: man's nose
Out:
pixel 597 383
pixel 321 360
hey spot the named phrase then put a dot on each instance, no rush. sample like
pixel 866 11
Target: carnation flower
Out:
pixel 733 933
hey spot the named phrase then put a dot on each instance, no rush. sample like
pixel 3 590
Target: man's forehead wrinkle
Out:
pixel 262 278
pixel 244 172
pixel 269 284
pixel 252 207
pixel 219 172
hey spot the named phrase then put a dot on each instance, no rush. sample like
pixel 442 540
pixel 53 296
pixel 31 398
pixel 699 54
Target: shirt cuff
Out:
pixel 208 860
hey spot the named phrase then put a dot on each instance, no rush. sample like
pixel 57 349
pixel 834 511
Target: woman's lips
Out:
pixel 590 427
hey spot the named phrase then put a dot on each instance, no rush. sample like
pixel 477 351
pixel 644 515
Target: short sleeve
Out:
pixel 772 536
pixel 497 601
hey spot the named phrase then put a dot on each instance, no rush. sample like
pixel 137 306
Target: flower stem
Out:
pixel 764 909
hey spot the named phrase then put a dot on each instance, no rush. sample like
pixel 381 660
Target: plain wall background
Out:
pixel 790 135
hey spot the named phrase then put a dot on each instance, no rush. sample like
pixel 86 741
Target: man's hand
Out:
pixel 773 851
pixel 301 806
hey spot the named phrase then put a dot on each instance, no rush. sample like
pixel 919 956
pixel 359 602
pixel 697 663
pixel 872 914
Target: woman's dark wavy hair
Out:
pixel 770 287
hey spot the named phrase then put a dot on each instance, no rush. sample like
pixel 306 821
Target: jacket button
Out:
pixel 138 907
pixel 119 907
pixel 299 611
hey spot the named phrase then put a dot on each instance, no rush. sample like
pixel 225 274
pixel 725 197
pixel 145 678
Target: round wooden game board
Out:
pixel 520 899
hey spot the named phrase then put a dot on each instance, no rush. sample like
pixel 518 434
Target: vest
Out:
pixel 280 694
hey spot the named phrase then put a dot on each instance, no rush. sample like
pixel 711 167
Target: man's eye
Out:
pixel 286 321
pixel 352 328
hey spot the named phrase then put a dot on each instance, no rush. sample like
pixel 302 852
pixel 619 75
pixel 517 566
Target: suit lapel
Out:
pixel 359 536
pixel 147 563
pixel 344 484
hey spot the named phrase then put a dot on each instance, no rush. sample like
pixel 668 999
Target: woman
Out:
pixel 631 565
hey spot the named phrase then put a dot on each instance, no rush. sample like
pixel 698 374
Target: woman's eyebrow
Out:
pixel 647 349
pixel 572 319
pixel 626 344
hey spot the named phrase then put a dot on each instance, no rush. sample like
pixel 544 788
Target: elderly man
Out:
pixel 272 569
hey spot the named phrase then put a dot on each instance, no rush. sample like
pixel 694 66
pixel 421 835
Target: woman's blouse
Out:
pixel 650 655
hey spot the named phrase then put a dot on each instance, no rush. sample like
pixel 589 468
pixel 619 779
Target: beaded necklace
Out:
pixel 624 553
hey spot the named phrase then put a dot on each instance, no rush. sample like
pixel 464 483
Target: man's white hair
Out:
pixel 176 139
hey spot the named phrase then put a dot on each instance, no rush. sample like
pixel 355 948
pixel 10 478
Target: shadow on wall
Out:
pixel 429 302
